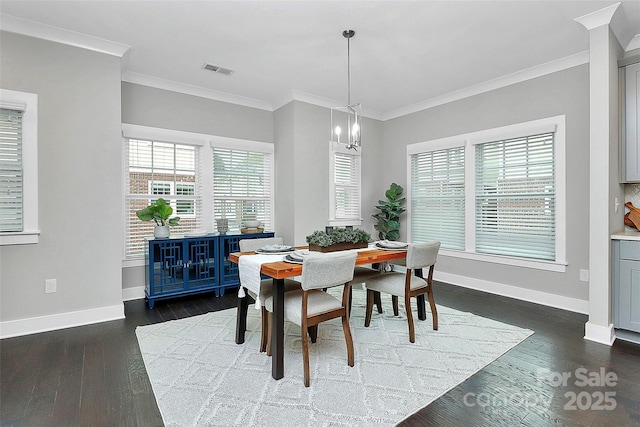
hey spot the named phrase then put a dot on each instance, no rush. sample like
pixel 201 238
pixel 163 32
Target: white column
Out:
pixel 604 50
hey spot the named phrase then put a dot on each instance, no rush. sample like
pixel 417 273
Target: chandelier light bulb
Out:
pixel 338 130
pixel 355 129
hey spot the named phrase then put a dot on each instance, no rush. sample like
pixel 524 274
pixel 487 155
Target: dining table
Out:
pixel 278 271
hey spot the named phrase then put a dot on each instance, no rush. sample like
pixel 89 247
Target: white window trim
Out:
pixel 28 103
pixel 556 124
pixel 207 142
pixel 335 147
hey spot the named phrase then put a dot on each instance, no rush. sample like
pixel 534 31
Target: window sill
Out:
pixel 345 222
pixel 555 266
pixel 134 262
pixel 19 238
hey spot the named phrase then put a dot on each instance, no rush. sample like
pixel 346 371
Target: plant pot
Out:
pixel 161 231
pixel 345 246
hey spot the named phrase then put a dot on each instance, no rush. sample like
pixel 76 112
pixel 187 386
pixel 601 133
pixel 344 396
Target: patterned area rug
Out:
pixel 200 377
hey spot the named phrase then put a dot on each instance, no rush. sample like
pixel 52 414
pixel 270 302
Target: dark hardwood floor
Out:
pixel 94 375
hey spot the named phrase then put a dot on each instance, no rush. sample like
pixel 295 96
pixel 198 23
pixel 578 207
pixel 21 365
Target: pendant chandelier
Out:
pixel 349 135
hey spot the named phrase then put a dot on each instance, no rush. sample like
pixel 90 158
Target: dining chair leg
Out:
pixel 305 354
pixel 350 301
pixel 432 304
pixel 265 328
pixel 269 335
pixel 348 339
pixel 394 301
pixel 407 306
pixel 369 309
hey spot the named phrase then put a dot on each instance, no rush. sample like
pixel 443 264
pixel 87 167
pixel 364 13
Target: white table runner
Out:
pixel 249 272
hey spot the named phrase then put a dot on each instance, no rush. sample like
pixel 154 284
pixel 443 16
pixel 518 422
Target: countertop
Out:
pixel 626 235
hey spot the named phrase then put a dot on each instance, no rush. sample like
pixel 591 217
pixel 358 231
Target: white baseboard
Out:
pixel 600 334
pixel 34 325
pixel 129 294
pixel 530 295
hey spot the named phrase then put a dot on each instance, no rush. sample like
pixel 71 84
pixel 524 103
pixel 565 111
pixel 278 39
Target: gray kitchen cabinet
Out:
pixel 630 132
pixel 626 285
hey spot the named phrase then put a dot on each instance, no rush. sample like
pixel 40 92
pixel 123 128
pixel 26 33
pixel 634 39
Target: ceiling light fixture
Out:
pixel 353 111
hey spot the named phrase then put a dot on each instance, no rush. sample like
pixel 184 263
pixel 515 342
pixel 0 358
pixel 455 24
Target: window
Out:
pixel 437 211
pixel 203 177
pixel 515 197
pixel 344 197
pixel 18 168
pixel 160 169
pixel 495 195
pixel 242 186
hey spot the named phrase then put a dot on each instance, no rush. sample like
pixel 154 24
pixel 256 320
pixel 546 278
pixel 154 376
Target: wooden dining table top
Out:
pixel 283 270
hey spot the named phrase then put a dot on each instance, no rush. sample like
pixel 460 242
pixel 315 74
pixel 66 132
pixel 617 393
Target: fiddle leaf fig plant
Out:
pixel 159 212
pixel 388 225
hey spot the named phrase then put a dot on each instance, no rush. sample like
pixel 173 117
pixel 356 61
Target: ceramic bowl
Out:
pixel 251 224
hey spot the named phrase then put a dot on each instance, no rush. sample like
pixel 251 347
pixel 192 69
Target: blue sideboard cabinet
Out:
pixel 180 265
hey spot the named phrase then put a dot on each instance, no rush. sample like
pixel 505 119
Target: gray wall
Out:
pixel 147 106
pixel 79 180
pixel 565 92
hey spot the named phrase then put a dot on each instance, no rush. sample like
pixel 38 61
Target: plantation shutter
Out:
pixel 437 197
pixel 242 187
pixel 346 179
pixel 160 170
pixel 11 170
pixel 515 197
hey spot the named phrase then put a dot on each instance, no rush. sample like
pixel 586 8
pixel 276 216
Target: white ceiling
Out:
pixel 404 52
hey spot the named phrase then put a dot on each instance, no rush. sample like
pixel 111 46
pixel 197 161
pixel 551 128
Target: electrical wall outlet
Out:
pixel 50 286
pixel 584 275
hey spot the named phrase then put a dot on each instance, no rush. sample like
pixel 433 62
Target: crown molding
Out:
pixel 297 95
pixel 159 83
pixel 634 43
pixel 599 17
pixel 510 79
pixel 38 30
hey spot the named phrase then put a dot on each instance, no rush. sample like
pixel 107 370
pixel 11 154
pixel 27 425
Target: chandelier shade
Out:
pixel 346 125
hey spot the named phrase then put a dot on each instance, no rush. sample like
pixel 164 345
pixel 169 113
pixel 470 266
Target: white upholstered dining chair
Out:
pixel 407 285
pixel 266 286
pixel 311 305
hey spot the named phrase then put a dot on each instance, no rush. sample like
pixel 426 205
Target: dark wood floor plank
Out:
pixel 93 402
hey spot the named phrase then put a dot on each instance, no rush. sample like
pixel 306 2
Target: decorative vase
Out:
pixel 161 231
pixel 222 224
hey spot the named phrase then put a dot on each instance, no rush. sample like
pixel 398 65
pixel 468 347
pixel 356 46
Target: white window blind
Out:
pixel 11 170
pixel 345 185
pixel 242 186
pixel 160 169
pixel 515 197
pixel 437 197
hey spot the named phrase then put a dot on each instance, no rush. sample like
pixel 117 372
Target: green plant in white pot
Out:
pixel 159 212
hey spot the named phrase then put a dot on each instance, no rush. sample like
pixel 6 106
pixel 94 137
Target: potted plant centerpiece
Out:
pixel 159 212
pixel 339 240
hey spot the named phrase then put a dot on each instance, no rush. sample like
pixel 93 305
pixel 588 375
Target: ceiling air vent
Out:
pixel 217 69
